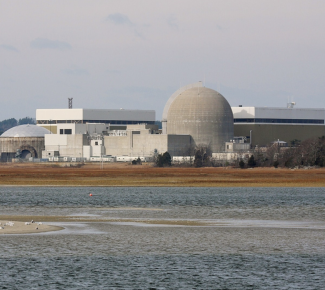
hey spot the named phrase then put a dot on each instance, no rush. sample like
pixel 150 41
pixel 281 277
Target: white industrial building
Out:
pixel 195 116
pixel 85 141
pixel 50 118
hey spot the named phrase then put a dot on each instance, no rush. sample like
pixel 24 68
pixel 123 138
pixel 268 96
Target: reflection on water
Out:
pixel 258 238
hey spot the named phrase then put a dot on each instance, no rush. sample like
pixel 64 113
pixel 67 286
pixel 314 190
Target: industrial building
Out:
pixel 265 125
pixel 97 140
pixel 193 116
pixel 22 141
pixel 201 113
pixel 50 118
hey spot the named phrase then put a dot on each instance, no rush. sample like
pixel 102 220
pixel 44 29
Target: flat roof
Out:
pixel 95 115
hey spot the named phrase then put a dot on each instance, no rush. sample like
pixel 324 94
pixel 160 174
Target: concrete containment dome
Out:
pixel 26 131
pixel 204 114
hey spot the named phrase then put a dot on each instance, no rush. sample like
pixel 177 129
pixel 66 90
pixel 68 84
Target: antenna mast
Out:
pixel 70 103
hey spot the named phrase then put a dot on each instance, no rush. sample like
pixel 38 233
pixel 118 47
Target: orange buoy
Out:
pixel 90 194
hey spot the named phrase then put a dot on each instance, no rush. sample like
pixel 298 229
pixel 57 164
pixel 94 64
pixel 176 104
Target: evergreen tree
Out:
pixel 164 160
pixel 242 164
pixel 26 120
pixel 251 161
pixel 7 124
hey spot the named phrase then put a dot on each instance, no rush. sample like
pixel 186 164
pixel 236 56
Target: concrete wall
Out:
pixel 67 145
pixel 145 144
pixel 203 114
pixel 262 134
pixel 117 145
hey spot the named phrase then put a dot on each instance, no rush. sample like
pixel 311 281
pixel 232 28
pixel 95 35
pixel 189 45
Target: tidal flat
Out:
pixel 164 237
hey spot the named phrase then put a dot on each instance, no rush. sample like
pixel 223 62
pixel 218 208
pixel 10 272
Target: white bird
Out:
pixel 36 229
pixel 1 228
pixel 27 223
pixel 40 223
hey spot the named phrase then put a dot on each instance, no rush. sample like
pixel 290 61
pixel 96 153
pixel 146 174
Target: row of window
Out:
pixel 280 121
pixel 93 121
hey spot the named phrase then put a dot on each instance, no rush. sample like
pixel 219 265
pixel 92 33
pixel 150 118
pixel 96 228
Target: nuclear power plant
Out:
pixel 194 116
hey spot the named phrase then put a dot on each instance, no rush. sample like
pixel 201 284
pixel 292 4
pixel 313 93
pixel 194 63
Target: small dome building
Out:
pixel 22 141
pixel 202 113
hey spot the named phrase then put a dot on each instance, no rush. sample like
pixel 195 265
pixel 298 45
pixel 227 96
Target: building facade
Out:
pixel 50 118
pixel 264 125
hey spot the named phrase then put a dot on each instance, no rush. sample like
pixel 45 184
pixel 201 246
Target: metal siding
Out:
pixel 278 113
pixel 243 112
pixel 120 115
pixel 262 134
pixel 285 113
pixel 95 114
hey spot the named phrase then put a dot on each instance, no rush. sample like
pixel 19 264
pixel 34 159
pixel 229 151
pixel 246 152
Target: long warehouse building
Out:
pixel 266 124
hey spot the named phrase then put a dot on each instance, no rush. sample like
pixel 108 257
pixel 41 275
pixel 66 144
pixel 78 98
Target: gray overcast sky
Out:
pixel 134 54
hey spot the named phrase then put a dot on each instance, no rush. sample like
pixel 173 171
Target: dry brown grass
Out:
pixel 117 174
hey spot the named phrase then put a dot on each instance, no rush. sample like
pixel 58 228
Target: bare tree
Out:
pixel 202 155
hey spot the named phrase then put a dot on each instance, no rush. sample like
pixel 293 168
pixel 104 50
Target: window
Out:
pixel 280 121
pixel 96 143
pixel 66 131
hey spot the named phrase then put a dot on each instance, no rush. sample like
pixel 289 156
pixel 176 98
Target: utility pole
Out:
pixel 250 138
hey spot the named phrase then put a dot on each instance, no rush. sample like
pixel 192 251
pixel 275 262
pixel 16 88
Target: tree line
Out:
pixel 12 122
pixel 310 152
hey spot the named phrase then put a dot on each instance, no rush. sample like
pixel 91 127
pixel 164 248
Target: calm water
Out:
pixel 258 238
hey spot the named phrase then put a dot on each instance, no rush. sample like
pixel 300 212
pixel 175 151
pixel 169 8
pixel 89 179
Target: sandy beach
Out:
pixel 19 227
pixel 123 174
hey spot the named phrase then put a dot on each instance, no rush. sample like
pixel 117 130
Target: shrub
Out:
pixel 251 161
pixel 164 160
pixel 241 164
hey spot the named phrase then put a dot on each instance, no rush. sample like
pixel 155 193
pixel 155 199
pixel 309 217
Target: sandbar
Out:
pixel 14 227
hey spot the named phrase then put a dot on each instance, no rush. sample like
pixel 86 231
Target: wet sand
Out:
pixel 19 227
pixel 123 174
pixel 90 219
pixel 17 224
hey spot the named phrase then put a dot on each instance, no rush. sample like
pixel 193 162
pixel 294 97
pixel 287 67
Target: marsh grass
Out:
pixel 128 175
